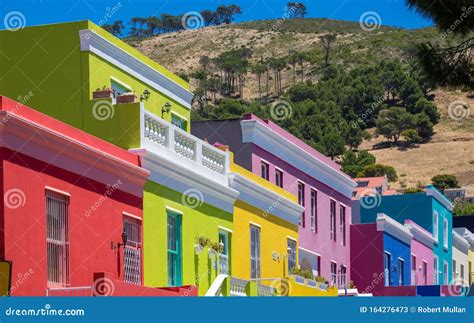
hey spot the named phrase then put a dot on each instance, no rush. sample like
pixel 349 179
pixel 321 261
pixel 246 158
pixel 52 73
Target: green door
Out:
pixel 175 277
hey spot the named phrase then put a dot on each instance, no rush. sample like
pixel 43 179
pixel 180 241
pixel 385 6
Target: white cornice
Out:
pixel 439 197
pixel 37 141
pixel 466 234
pixel 266 138
pixel 420 234
pixel 460 242
pixel 93 42
pixel 181 178
pixel 394 228
pixel 265 199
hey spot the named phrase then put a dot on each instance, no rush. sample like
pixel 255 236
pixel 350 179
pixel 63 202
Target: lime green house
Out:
pixel 80 74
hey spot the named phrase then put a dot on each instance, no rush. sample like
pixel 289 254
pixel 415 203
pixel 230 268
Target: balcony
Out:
pixel 166 140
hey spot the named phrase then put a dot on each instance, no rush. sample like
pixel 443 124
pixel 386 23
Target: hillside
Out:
pixel 451 149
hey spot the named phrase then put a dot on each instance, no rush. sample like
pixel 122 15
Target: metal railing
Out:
pixel 70 291
pixel 167 135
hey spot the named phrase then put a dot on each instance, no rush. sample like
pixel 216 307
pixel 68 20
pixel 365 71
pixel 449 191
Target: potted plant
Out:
pixel 216 248
pixel 127 97
pixel 202 242
pixel 103 93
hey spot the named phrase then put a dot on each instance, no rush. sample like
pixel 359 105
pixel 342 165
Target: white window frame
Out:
pixel 445 233
pixel 342 223
pixel 279 171
pixel 314 210
pixel 255 260
pixel 436 270
pixel 332 219
pixel 333 273
pixel 302 202
pixel 435 225
pixel 401 271
pixel 132 253
pixel 57 238
pixel 265 175
pixel 387 258
pixel 445 272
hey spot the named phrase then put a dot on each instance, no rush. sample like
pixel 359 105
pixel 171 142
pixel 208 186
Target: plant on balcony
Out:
pixel 216 248
pixel 202 242
pixel 321 279
pixel 128 97
pixel 301 272
pixel 351 285
pixel 103 93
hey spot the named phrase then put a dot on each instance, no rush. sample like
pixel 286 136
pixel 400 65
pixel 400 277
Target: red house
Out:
pixel 71 215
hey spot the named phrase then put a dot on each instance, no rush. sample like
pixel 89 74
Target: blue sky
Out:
pixel 36 12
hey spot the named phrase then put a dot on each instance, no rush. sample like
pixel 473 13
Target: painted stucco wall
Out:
pixel 366 249
pixel 461 258
pixel 274 233
pixel 202 220
pixel 422 253
pixel 247 155
pixel 419 208
pixel 58 79
pixel 318 242
pixel 23 234
pixel 398 250
pixel 471 265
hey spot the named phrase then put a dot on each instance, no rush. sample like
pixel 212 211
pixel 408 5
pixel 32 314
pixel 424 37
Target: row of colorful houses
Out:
pixel 109 189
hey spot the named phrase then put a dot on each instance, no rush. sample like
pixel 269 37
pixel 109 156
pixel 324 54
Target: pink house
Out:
pixel 422 256
pixel 266 149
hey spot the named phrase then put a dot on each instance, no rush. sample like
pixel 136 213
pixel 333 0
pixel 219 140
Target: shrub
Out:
pixel 444 181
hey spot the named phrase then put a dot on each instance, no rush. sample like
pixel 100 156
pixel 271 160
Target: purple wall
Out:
pixel 318 242
pixel 422 253
pixel 367 270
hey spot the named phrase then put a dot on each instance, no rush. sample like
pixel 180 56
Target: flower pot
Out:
pixel 102 94
pixel 197 249
pixel 212 253
pixel 127 98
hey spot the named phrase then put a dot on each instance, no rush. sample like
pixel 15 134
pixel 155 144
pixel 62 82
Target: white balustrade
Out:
pixel 237 287
pixel 167 135
pixel 263 290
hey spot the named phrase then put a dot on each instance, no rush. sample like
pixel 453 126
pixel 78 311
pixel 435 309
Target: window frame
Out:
pixel 255 260
pixel 342 223
pixel 314 210
pixel 279 177
pixel 301 201
pixel 332 219
pixel 265 174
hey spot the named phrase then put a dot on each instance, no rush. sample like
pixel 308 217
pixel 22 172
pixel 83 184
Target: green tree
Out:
pixel 301 92
pixel 327 42
pixel 116 28
pixel 448 65
pixel 353 163
pixel 392 122
pixel 296 10
pixel 428 108
pixel 411 136
pixel 423 125
pixel 444 181
pixel 377 170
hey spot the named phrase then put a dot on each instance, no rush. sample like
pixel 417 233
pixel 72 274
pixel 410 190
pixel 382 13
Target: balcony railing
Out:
pixel 237 286
pixel 167 135
pixel 263 290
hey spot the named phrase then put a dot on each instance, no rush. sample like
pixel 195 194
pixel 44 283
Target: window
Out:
pixel 445 233
pixel 224 256
pixel 291 254
pixel 178 121
pixel 333 220
pixel 461 274
pixel 314 211
pixel 454 269
pixel 118 89
pixel 174 249
pixel 132 251
pixel 318 263
pixel 386 268
pixel 413 270
pixel 435 226
pixel 425 273
pixel 401 272
pixel 470 273
pixel 362 184
pixel 343 277
pixel 342 224
pixel 333 273
pixel 445 272
pixel 265 170
pixel 57 239
pixel 435 270
pixel 278 178
pixel 301 202
pixel 254 252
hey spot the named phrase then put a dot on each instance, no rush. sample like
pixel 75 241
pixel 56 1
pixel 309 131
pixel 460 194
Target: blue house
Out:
pixel 429 209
